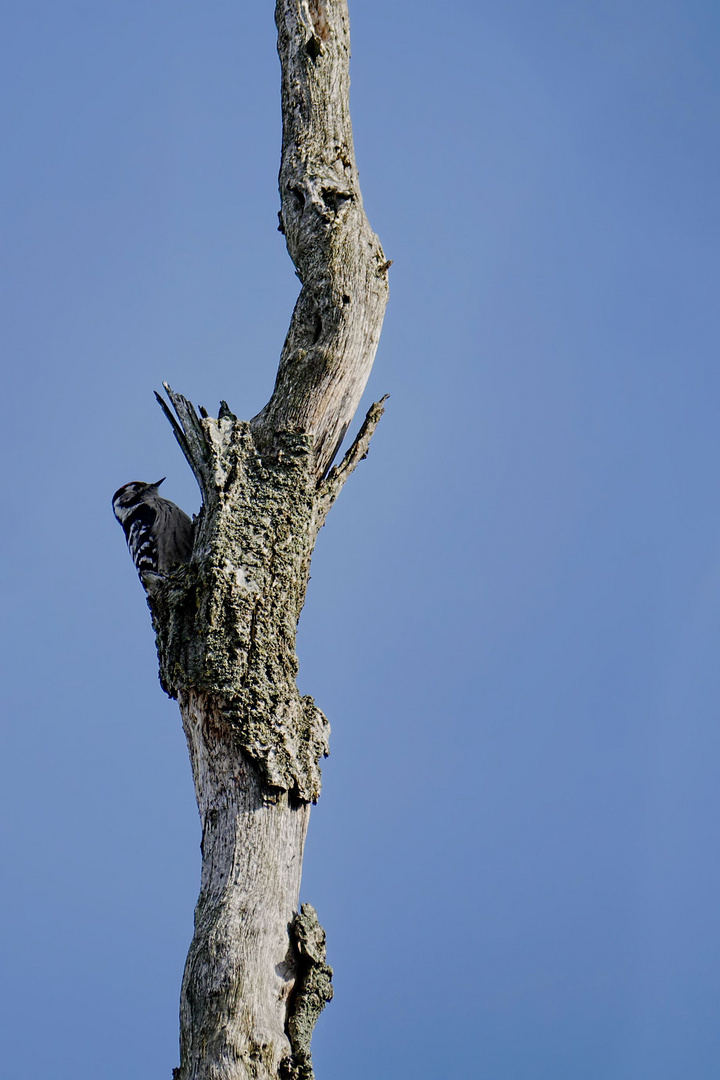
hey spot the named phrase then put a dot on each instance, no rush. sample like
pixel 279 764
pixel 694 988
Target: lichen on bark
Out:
pixel 255 978
pixel 226 624
pixel 313 990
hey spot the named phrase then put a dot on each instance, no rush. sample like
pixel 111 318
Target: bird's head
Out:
pixel 129 495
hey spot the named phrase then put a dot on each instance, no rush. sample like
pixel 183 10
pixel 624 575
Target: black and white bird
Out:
pixel 159 534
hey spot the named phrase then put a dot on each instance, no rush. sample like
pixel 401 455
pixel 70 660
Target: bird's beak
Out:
pixel 157 483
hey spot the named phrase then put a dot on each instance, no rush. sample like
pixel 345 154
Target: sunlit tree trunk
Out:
pixel 256 978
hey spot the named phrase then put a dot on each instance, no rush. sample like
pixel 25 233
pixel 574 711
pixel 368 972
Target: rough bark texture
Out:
pixel 336 325
pixel 240 970
pixel 226 624
pixel 256 977
pixel 313 989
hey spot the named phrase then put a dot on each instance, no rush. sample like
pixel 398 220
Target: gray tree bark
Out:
pixel 256 977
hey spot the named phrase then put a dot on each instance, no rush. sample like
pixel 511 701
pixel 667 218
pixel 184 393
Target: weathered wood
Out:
pixel 335 328
pixel 240 969
pixel 256 975
pixel 313 989
pixel 334 482
pixel 225 628
pixel 226 624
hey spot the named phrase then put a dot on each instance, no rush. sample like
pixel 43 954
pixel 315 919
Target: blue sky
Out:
pixel 514 617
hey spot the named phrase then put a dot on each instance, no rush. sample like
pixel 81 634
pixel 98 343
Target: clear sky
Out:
pixel 514 617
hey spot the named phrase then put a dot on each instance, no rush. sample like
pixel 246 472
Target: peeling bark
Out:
pixel 256 976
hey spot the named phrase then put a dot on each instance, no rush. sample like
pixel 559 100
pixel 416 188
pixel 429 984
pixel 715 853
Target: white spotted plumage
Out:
pixel 159 534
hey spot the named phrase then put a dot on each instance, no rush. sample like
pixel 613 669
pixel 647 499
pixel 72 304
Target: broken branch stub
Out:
pixel 226 624
pixel 225 627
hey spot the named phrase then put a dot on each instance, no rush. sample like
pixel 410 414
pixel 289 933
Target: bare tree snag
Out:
pixel 256 976
pixel 335 328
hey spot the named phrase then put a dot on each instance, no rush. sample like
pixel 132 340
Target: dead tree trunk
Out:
pixel 255 978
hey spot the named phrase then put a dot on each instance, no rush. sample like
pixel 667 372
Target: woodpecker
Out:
pixel 159 534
